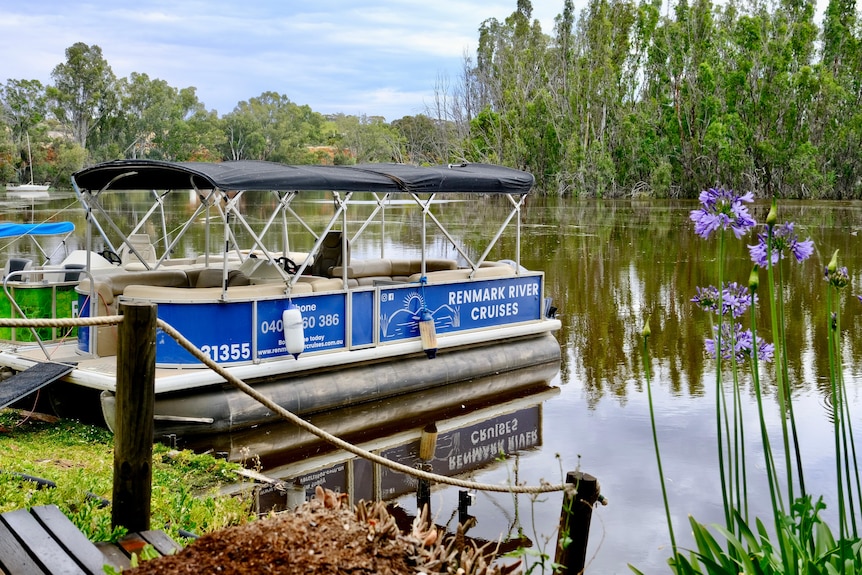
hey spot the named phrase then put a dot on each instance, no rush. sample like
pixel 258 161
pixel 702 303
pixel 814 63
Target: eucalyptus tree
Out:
pixel 449 114
pixel 148 110
pixel 511 69
pixel 271 127
pixel 24 107
pixel 841 97
pixel 164 122
pixel 767 91
pixel 367 138
pixel 193 132
pixel 424 139
pixel 601 90
pixel 642 156
pixel 84 91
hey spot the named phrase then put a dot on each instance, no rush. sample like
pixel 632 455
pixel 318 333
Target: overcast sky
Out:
pixel 357 57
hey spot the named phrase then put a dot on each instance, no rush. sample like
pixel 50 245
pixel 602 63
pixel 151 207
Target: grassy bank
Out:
pixel 79 460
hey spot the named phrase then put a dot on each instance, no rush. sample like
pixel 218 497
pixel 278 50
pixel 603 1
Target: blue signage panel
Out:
pixel 220 330
pixel 362 312
pixel 334 478
pixel 323 320
pixel 466 449
pixel 84 332
pixel 459 306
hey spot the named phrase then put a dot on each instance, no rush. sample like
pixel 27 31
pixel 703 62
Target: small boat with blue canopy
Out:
pixel 34 288
pixel 298 303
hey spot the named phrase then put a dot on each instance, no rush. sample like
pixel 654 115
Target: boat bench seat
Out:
pixel 109 288
pixel 320 283
pixel 162 293
pixel 496 271
pixel 368 272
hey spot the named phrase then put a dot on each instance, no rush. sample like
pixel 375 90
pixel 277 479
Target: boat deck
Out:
pixel 67 353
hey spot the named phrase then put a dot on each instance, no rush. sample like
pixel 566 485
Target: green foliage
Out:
pixel 751 96
pixel 79 460
pixel 23 106
pixel 754 551
pixel 7 160
pixel 84 91
pixel 271 127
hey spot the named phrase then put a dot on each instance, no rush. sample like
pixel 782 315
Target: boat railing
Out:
pixel 45 278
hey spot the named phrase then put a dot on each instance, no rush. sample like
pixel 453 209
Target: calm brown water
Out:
pixel 609 264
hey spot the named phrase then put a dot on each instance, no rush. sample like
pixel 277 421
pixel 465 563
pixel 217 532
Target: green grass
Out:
pixel 79 460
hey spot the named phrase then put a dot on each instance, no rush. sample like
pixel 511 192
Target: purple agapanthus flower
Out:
pixel 784 240
pixel 739 343
pixel 735 299
pixel 722 209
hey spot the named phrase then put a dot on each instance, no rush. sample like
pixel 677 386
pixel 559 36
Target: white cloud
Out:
pixel 376 58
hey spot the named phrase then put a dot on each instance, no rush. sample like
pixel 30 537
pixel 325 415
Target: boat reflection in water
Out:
pixel 477 422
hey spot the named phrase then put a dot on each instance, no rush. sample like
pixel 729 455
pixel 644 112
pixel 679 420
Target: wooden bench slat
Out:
pixel 71 538
pixel 40 543
pixel 13 558
pixel 113 555
pixel 43 541
pixel 132 543
pixel 161 542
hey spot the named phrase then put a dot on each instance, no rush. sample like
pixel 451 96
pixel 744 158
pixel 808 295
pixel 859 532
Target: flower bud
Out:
pixel 645 332
pixel 753 279
pixel 772 216
pixel 833 263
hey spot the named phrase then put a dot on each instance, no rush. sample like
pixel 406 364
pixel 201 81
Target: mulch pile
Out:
pixel 323 536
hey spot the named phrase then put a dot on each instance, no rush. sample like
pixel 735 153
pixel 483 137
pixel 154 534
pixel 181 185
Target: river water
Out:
pixel 609 265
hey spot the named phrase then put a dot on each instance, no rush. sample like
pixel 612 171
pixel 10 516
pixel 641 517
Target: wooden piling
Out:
pixel 423 490
pixel 133 428
pixel 428 442
pixel 575 516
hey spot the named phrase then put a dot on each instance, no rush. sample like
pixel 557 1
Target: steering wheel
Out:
pixel 288 264
pixel 111 257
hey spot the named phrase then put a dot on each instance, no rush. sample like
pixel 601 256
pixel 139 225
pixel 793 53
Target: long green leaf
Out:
pixel 743 559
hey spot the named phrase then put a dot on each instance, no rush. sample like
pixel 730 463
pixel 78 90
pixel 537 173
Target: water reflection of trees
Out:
pixel 608 264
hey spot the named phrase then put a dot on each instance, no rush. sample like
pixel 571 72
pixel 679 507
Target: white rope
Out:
pixel 287 415
pixel 61 322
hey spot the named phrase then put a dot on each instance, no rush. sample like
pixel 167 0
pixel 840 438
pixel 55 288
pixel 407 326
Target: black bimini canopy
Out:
pixel 269 176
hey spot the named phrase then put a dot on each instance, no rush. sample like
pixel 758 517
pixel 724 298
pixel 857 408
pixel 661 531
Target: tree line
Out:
pixel 627 98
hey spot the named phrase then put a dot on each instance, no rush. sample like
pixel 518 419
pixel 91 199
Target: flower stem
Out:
pixel 647 372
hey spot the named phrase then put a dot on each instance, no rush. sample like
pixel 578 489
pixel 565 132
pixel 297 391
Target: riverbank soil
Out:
pixel 324 537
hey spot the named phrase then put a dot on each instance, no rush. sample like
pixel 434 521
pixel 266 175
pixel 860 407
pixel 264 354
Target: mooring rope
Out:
pixel 288 415
pixel 62 322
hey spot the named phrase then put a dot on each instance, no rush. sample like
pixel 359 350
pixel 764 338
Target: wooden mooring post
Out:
pixel 575 519
pixel 427 448
pixel 134 428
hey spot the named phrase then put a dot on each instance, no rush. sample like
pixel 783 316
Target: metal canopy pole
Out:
pixel 516 209
pixel 203 207
pixel 455 244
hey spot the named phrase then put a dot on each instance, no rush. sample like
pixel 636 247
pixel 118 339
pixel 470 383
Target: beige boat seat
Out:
pixel 213 277
pixel 370 272
pixel 503 271
pixel 245 292
pixel 146 251
pixel 319 284
pixel 108 288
